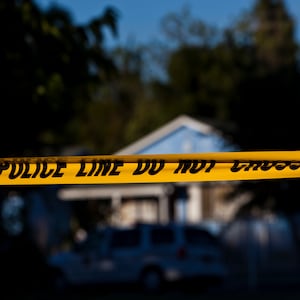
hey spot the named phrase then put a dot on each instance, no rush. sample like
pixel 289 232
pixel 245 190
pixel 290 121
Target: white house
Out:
pixel 164 202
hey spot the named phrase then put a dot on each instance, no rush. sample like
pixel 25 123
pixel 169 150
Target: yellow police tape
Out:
pixel 116 169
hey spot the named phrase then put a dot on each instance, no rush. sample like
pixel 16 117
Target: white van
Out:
pixel 147 254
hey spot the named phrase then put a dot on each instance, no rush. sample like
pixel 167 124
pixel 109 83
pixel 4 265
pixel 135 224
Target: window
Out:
pixel 127 238
pixel 162 236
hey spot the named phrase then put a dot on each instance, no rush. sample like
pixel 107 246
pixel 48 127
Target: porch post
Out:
pixel 163 208
pixel 116 201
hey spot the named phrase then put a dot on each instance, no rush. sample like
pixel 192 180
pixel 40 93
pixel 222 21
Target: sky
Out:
pixel 139 20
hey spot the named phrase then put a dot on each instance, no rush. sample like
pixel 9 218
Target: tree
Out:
pixel 49 70
pixel 265 113
pixel 204 67
pixel 114 103
pixel 274 35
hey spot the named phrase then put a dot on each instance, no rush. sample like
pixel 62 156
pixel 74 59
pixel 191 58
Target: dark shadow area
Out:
pixel 24 270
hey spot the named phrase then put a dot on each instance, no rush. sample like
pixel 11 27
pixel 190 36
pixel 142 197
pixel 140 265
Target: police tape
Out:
pixel 125 169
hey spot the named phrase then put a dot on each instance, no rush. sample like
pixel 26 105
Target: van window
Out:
pixel 162 236
pixel 125 238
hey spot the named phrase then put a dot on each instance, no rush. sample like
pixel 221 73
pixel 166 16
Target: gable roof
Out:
pixel 182 121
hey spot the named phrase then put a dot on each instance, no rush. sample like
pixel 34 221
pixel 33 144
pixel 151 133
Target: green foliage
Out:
pixel 274 34
pixel 205 79
pixel 49 68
